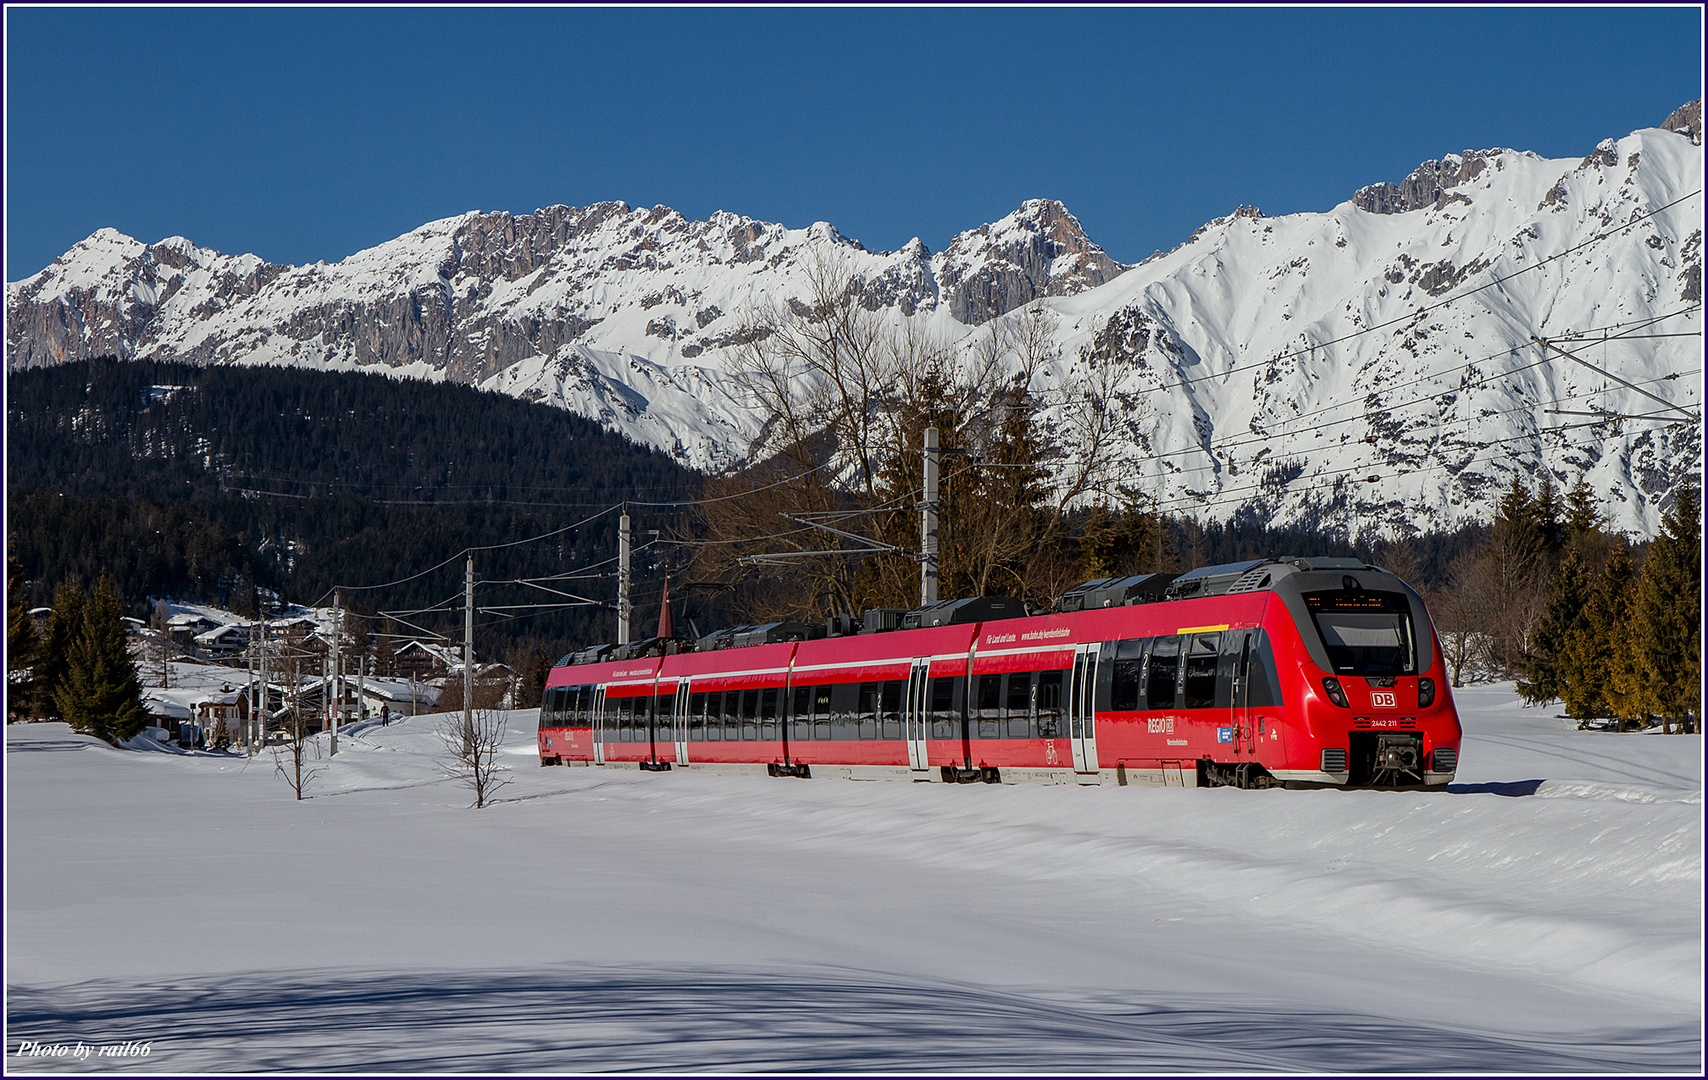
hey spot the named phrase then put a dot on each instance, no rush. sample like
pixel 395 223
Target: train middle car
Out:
pixel 1302 672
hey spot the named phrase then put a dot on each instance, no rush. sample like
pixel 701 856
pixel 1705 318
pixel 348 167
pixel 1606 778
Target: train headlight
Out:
pixel 1425 692
pixel 1331 686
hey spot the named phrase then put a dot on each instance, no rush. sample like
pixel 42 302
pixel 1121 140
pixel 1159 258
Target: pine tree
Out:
pixel 1545 511
pixel 1582 518
pixel 1545 661
pixel 23 645
pixel 64 629
pixel 1667 617
pixel 1591 660
pixel 101 694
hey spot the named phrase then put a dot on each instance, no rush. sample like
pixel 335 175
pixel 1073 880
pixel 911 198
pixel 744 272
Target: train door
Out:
pixel 598 725
pixel 1240 706
pixel 1082 699
pixel 680 721
pixel 915 718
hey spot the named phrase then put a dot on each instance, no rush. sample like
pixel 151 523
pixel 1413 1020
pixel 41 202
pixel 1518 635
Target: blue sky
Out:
pixel 309 134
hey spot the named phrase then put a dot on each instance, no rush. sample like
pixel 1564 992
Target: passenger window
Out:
pixel 768 714
pixel 1201 670
pixel 845 711
pixel 750 715
pixel 666 709
pixel 715 716
pixel 800 714
pixel 1161 672
pixel 821 712
pixel 1019 697
pixel 1128 665
pixel 866 720
pixel 944 708
pixel 890 708
pixel 1050 704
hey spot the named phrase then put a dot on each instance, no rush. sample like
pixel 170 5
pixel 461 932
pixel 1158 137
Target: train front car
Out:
pixel 1359 658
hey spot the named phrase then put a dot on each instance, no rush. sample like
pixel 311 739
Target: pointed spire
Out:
pixel 666 626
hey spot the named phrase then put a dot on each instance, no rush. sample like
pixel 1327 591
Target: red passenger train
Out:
pixel 1303 672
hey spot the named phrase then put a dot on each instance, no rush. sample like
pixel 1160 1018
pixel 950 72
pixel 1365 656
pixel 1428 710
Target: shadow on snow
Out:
pixel 756 1021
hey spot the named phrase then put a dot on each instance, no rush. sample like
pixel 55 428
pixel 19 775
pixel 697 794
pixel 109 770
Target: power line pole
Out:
pixel 623 577
pixel 263 736
pixel 468 658
pixel 249 697
pixel 337 665
pixel 928 523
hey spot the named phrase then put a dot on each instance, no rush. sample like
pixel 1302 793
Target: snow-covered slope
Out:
pixel 1268 366
pixel 1544 915
pixel 1291 358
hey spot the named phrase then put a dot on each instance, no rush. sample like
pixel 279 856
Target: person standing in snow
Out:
pixel 385 715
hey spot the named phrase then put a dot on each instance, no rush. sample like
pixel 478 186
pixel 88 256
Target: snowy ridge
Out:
pixel 1268 365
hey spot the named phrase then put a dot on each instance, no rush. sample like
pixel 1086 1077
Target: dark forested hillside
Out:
pixel 206 483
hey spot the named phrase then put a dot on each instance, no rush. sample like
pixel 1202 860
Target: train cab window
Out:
pixel 1049 698
pixel 889 709
pixel 1125 680
pixel 945 708
pixel 1366 633
pixel 821 712
pixel 1262 676
pixel 1200 680
pixel 1161 671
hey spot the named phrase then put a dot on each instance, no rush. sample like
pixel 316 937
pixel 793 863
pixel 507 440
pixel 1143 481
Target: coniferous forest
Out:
pixel 245 487
pixel 231 485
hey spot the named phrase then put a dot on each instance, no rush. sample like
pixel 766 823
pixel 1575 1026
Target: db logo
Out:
pixel 1383 699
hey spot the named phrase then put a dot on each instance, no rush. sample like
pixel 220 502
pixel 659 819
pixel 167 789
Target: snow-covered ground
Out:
pixel 1544 915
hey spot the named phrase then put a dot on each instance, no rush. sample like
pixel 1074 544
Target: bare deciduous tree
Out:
pixel 291 757
pixel 471 752
pixel 845 391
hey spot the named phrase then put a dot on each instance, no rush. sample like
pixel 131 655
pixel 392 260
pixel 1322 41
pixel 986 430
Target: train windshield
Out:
pixel 1366 633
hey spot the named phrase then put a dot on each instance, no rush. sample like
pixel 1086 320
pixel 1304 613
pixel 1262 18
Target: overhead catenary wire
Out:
pixel 1412 315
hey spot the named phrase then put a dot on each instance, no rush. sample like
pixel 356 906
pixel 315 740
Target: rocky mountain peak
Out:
pixel 1428 183
pixel 1038 250
pixel 1687 121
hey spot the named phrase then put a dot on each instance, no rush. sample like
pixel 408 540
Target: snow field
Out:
pixel 598 919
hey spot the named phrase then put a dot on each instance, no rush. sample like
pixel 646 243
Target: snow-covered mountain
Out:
pixel 1267 365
